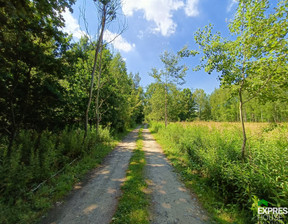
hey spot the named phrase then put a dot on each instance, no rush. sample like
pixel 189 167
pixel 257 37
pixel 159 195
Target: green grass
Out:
pixel 209 161
pixel 18 204
pixel 133 205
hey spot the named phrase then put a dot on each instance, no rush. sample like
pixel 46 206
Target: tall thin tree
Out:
pixel 173 73
pixel 107 10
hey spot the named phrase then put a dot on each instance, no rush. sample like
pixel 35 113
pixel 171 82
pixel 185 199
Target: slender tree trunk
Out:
pixel 98 91
pixel 242 123
pixel 98 44
pixel 165 105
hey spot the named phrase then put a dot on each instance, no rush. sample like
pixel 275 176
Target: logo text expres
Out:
pixel 273 210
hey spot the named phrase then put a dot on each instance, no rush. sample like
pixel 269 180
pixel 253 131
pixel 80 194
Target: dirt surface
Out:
pixel 171 201
pixel 97 200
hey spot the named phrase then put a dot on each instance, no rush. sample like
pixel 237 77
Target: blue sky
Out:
pixel 154 26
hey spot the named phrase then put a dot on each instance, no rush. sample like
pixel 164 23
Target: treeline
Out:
pixel 44 91
pixel 220 105
pixel 224 106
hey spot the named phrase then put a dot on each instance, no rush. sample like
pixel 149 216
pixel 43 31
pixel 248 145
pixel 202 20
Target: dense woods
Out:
pixel 61 108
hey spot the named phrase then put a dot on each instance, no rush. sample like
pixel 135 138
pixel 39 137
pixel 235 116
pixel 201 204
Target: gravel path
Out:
pixel 171 201
pixel 96 201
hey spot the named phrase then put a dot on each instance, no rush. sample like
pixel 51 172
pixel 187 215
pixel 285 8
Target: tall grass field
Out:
pixel 208 156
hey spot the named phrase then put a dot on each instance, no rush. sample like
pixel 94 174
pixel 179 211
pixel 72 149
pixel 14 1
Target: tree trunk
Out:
pixel 99 41
pixel 165 106
pixel 98 91
pixel 242 124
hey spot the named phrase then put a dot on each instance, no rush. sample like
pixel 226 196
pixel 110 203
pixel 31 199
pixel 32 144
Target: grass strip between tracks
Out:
pixel 133 205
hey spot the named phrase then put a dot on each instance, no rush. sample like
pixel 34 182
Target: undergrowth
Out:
pixel 43 167
pixel 133 204
pixel 209 161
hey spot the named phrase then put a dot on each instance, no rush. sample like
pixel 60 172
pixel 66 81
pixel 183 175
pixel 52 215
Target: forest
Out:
pixel 64 105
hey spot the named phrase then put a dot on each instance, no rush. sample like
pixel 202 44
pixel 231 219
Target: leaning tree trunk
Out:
pixel 98 91
pixel 98 44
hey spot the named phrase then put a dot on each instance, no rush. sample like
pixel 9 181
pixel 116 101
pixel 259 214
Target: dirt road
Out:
pixel 171 201
pixel 96 202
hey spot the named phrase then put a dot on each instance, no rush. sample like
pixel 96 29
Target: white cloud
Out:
pixel 118 41
pixel 191 8
pixel 157 11
pixel 231 4
pixel 72 25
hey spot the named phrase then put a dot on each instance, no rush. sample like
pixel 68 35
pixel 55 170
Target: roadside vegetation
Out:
pixel 208 157
pixel 133 204
pixel 45 167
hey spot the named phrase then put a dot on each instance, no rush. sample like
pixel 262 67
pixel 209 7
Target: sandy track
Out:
pixel 171 201
pixel 96 201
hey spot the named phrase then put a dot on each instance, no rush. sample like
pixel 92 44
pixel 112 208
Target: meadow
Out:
pixel 208 157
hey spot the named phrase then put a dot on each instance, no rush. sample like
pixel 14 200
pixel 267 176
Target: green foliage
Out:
pixel 168 78
pixel 32 62
pixel 133 204
pixel 213 154
pixel 55 160
pixel 224 107
pixel 120 99
pixel 180 103
pixel 255 58
pixel 202 104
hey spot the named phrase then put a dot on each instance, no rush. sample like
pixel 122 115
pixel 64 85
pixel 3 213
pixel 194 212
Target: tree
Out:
pixel 136 99
pixel 186 105
pixel 107 10
pixel 154 105
pixel 255 61
pixel 224 105
pixel 202 104
pixel 172 74
pixel 120 98
pixel 31 56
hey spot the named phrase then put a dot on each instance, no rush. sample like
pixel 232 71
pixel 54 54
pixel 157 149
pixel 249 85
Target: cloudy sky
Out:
pixel 154 26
